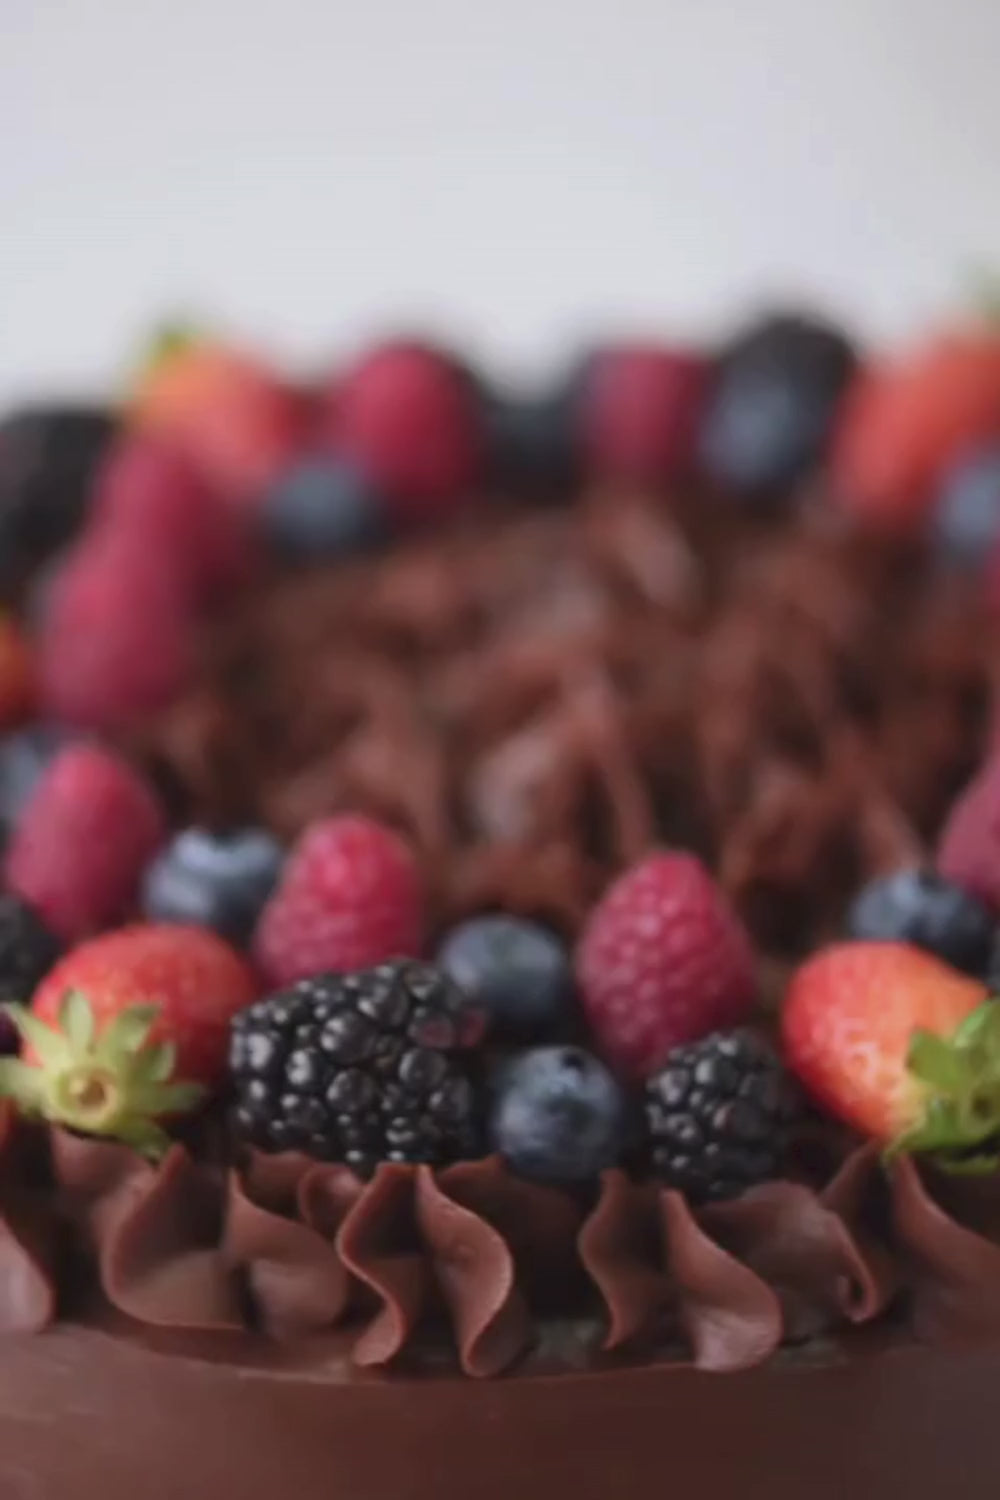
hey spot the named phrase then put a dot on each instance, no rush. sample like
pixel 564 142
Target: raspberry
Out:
pixel 640 409
pixel 85 835
pixel 409 416
pixel 350 897
pixel 115 634
pixel 969 848
pixel 663 960
pixel 150 492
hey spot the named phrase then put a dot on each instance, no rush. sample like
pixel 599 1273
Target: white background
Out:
pixel 516 173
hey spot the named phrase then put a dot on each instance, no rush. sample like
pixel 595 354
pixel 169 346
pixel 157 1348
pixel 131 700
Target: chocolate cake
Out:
pixel 530 699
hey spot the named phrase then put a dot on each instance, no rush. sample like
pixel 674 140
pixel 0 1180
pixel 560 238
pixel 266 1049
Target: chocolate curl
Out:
pixel 858 1195
pixel 378 1244
pixel 953 1272
pixel 474 1269
pixel 29 1237
pixel 731 1317
pixel 555 883
pixel 803 1251
pixel 157 1233
pixel 619 1246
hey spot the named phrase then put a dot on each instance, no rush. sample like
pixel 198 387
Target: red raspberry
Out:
pixel 663 960
pixel 408 415
pixel 350 896
pixel 969 848
pixel 115 641
pixel 88 830
pixel 149 491
pixel 640 411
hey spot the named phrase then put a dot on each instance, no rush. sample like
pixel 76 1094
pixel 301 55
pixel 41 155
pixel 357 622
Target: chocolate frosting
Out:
pixel 473 1259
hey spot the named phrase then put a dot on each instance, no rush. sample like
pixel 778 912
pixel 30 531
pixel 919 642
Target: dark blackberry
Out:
pixel 28 951
pixel 718 1116
pixel 360 1068
pixel 48 458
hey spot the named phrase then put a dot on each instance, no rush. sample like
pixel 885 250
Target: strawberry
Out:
pixel 17 674
pixel 896 1044
pixel 639 412
pixel 82 840
pixel 968 851
pixel 662 960
pixel 234 420
pixel 409 416
pixel 149 491
pixel 904 424
pixel 115 633
pixel 350 897
pixel 128 1028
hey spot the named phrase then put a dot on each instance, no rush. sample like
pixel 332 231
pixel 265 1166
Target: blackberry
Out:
pixel 27 952
pixel 719 1116
pixel 48 458
pixel 359 1068
pixel 922 907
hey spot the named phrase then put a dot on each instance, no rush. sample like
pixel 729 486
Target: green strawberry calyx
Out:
pixel 958 1082
pixel 112 1082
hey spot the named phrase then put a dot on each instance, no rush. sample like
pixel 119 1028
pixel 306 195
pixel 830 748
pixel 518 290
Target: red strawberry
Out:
pixel 128 1028
pixel 969 847
pixel 350 896
pixel 88 830
pixel 409 416
pixel 903 425
pixel 149 491
pixel 663 960
pixel 230 416
pixel 895 1043
pixel 640 410
pixel 115 638
pixel 17 674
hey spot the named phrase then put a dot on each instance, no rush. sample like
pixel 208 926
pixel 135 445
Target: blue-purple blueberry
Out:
pixel 558 1115
pixel 219 881
pixel 519 972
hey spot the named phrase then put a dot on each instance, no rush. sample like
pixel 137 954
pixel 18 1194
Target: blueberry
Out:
pixel 922 907
pixel 967 520
pixel 773 403
pixel 519 973
pixel 323 507
pixel 558 1115
pixel 530 440
pixel 217 881
pixel 23 757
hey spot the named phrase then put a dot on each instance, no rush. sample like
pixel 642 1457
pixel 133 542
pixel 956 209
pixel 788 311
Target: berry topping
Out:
pixel 969 848
pixel 410 416
pixel 230 416
pixel 898 1045
pixel 905 424
pixel 718 1116
pixel 17 674
pixel 967 515
pixel 530 440
pixel 214 880
pixel 922 907
pixel 23 757
pixel 115 634
pixel 48 459
pixel 149 492
pixel 321 508
pixel 359 1068
pixel 87 831
pixel 128 1028
pixel 27 952
pixel 640 407
pixel 662 960
pixel 773 403
pixel 517 970
pixel 558 1115
pixel 350 896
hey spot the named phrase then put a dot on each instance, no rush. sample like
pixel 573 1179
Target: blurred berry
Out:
pixel 967 518
pixel 639 413
pixel 519 972
pixel 48 459
pixel 214 880
pixel 321 508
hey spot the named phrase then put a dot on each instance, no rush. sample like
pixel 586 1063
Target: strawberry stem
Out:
pixel 959 1083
